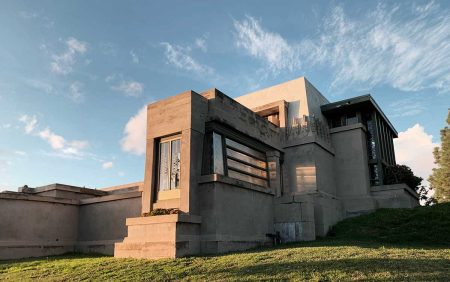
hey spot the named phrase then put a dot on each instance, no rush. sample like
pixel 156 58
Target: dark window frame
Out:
pixel 257 152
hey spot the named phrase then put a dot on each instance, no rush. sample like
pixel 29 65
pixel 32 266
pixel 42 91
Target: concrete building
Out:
pixel 280 163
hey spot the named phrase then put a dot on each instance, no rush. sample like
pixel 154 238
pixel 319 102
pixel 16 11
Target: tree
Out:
pixel 440 178
pixel 403 174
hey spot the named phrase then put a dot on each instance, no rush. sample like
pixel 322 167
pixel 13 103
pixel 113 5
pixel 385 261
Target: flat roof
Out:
pixel 356 103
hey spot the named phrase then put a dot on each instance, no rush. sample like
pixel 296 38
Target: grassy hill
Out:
pixel 422 225
pixel 412 245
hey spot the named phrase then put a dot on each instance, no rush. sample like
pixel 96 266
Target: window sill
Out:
pixel 234 182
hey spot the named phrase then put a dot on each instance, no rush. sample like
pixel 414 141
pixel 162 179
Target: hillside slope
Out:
pixel 423 225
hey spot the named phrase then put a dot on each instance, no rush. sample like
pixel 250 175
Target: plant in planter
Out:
pixel 157 212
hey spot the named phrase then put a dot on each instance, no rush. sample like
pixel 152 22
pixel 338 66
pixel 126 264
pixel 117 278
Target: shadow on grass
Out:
pixel 56 257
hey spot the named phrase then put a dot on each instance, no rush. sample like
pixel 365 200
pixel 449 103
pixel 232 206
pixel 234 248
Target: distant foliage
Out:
pixel 403 174
pixel 440 178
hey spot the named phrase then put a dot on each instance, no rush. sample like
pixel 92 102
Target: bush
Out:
pixel 396 174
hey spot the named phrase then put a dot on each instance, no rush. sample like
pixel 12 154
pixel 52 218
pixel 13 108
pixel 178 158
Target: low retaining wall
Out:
pixel 395 196
pixel 32 225
pixel 102 221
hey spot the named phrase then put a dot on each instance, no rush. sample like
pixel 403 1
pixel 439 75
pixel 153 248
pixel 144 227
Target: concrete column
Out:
pixel 191 167
pixel 149 179
pixel 274 169
pixel 185 170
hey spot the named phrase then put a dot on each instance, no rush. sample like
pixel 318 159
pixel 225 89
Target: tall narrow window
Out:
pixel 217 154
pixel 169 164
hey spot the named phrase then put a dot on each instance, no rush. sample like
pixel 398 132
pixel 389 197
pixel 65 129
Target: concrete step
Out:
pixel 165 236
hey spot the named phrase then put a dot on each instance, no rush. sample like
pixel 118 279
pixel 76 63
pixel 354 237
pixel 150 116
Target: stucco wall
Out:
pixel 293 92
pixel 36 227
pixel 227 111
pixel 299 169
pixel 315 100
pixel 324 169
pixel 351 169
pixel 102 224
pixel 294 218
pixel 32 226
pixel 234 217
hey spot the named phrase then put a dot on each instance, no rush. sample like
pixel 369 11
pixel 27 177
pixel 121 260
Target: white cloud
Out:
pixel 414 148
pixel 29 121
pixel 63 147
pixel 57 142
pixel 129 88
pixel 406 107
pixel 6 125
pixel 75 92
pixel 40 85
pixel 107 165
pixel 408 49
pixel 201 44
pixel 134 140
pixel 28 15
pixel 134 57
pixel 181 58
pixel 33 15
pixel 64 62
pixel 20 153
pixel 269 47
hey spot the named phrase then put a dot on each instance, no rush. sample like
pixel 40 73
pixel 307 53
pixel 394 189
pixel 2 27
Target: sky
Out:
pixel 75 75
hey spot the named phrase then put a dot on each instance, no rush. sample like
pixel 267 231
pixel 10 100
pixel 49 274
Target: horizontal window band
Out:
pixel 247 178
pixel 247 173
pixel 245 153
pixel 243 157
pixel 248 169
pixel 245 149
pixel 246 163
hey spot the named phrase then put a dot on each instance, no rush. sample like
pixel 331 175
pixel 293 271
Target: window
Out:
pixel 344 119
pixel 352 118
pixel 242 162
pixel 169 163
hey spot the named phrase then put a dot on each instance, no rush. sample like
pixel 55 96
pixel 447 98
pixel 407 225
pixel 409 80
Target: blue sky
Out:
pixel 75 75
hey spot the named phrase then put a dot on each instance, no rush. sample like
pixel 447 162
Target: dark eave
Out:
pixel 360 102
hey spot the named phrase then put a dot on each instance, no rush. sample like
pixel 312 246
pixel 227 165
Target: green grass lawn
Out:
pixel 360 249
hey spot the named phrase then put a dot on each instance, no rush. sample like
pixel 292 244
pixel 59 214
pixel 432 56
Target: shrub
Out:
pixel 396 174
pixel 156 212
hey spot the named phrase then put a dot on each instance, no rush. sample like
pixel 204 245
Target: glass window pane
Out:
pixel 217 154
pixel 245 149
pixel 247 168
pixel 164 166
pixel 245 158
pixel 352 118
pixel 247 178
pixel 176 164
